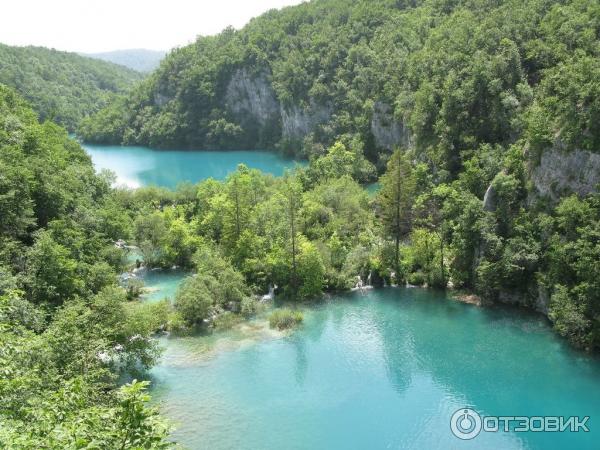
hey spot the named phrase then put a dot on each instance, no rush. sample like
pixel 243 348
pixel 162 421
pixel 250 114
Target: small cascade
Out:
pixel 393 279
pixel 271 295
pixel 123 245
pixel 359 282
pixel 360 285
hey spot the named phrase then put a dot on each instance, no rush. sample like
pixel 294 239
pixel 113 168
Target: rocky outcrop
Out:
pixel 252 95
pixel 251 98
pixel 297 122
pixel 388 132
pixel 561 172
pixel 161 99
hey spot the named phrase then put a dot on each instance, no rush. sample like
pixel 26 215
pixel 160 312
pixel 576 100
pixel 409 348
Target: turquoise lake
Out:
pixel 143 166
pixel 161 284
pixel 385 370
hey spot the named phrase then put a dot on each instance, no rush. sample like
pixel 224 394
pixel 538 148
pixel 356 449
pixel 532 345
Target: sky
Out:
pixel 101 25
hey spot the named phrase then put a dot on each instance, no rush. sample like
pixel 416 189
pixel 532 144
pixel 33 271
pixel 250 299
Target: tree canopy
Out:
pixel 63 87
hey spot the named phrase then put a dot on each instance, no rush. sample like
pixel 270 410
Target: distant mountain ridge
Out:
pixel 63 86
pixel 140 59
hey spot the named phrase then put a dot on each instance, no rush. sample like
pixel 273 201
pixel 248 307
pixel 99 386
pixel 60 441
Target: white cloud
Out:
pixel 95 26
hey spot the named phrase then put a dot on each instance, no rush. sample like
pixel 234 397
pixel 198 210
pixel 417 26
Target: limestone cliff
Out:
pixel 250 98
pixel 388 132
pixel 252 95
pixel 561 172
pixel 297 122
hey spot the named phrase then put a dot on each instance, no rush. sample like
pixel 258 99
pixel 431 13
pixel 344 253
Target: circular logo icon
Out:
pixel 465 423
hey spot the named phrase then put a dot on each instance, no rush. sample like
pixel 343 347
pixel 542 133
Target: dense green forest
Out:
pixel 71 329
pixel 453 75
pixel 493 104
pixel 66 330
pixel 483 92
pixel 63 87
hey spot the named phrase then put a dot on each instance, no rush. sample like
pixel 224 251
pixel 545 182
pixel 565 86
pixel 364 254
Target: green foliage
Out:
pixel 51 271
pixel 339 162
pixel 569 317
pixel 284 319
pixel 66 329
pixel 395 198
pixel 310 271
pixel 422 258
pixel 194 299
pixel 63 87
pixel 68 419
pixel 453 75
pixel 572 270
pixel 217 287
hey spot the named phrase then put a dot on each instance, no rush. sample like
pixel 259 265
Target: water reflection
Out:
pixel 143 166
pixel 385 370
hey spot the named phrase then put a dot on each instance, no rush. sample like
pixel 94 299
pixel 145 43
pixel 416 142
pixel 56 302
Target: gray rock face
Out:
pixel 387 131
pixel 252 95
pixel 161 99
pixel 297 122
pixel 561 172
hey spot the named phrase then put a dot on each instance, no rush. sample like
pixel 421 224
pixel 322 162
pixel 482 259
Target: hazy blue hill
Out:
pixel 63 86
pixel 139 59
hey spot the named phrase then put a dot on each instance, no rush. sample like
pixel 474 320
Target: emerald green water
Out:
pixel 384 370
pixel 381 371
pixel 373 188
pixel 143 166
pixel 161 284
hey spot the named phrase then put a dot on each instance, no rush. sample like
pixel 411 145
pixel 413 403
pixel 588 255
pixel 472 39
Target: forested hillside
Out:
pixel 140 59
pixel 63 87
pixel 492 103
pixel 444 77
pixel 66 329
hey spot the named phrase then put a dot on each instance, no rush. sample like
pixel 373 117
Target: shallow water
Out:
pixel 383 370
pixel 161 283
pixel 373 188
pixel 142 166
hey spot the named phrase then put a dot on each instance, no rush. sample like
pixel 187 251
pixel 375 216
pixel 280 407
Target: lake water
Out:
pixel 381 371
pixel 143 166
pixel 161 284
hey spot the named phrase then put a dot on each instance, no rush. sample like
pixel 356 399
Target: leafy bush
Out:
pixel 226 320
pixel 283 319
pixel 416 278
pixel 194 299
